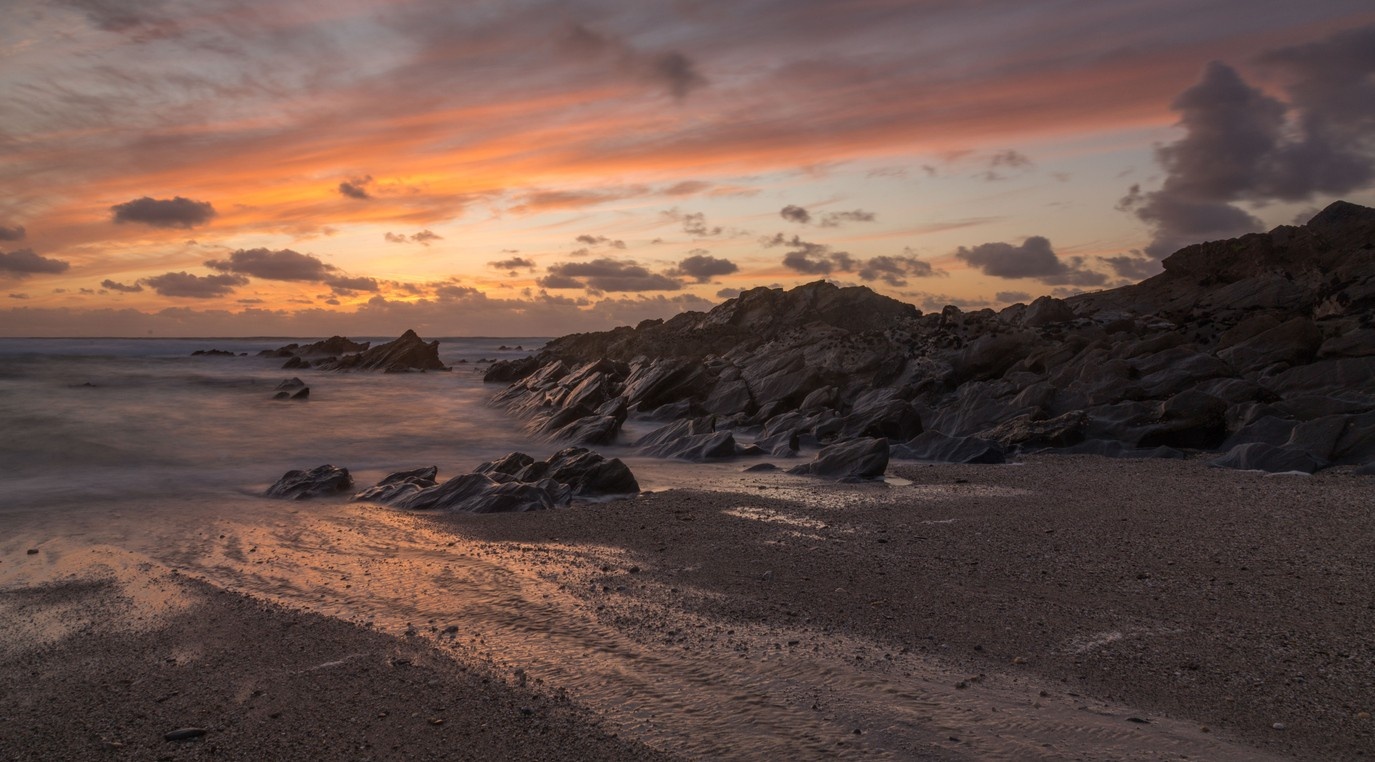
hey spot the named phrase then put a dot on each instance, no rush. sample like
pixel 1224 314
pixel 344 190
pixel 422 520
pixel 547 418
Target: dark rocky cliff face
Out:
pixel 1265 340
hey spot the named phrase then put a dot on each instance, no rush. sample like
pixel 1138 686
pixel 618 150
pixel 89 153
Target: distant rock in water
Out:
pixel 292 389
pixel 514 483
pixel 331 347
pixel 407 353
pixel 1264 338
pixel 320 481
pixel 212 353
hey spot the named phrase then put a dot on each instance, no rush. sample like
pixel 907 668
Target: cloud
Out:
pixel 810 258
pixel 141 21
pixel 1034 259
pixel 15 233
pixel 356 188
pixel 563 200
pixel 114 285
pixel 598 240
pixel 607 275
pixel 694 223
pixel 801 216
pixel 23 263
pixel 348 284
pixel 836 219
pixel 895 270
pixel 671 70
pixel 19 296
pixel 1011 297
pixel 687 188
pixel 183 284
pixel 283 264
pixel 175 212
pixel 423 237
pixel 513 264
pixel 703 267
pixel 728 293
pixel 1241 145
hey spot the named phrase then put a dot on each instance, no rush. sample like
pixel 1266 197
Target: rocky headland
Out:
pixel 1260 349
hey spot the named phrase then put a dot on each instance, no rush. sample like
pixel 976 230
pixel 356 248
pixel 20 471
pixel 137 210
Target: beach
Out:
pixel 1061 607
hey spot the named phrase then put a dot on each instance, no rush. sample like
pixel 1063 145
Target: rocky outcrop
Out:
pixel 408 352
pixel 514 483
pixel 1231 338
pixel 320 481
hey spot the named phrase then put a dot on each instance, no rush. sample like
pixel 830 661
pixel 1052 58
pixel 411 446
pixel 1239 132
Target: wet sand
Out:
pixel 1063 608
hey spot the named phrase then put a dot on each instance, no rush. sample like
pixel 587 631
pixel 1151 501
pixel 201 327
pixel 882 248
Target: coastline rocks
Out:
pixel 1259 456
pixel 1239 341
pixel 857 459
pixel 320 481
pixel 516 482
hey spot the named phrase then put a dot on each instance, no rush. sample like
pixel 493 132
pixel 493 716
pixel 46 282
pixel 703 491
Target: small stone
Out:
pixel 183 734
pixel 1278 726
pixel 1019 660
pixel 33 551
pixel 436 720
pixel 1363 715
pixel 1139 720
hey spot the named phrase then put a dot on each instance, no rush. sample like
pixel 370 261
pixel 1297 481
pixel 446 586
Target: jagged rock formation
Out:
pixel 1268 338
pixel 516 482
pixel 408 352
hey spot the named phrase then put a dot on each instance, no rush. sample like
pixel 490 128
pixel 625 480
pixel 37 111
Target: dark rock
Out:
pixel 291 385
pixel 1190 419
pixel 781 445
pixel 407 353
pixel 1294 342
pixel 729 397
pixel 183 734
pixel 1259 456
pixel 760 468
pixel 589 474
pixel 317 482
pixel 859 458
pixel 935 447
pixel 334 346
pixel 506 371
pixel 698 448
pixel 295 362
pixel 212 353
pixel 1027 433
pixel 590 430
pixel 1047 310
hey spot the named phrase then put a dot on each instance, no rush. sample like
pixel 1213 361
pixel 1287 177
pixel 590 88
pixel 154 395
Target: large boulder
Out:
pixel 320 481
pixel 856 459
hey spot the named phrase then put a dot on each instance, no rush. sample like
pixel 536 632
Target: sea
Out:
pixel 116 419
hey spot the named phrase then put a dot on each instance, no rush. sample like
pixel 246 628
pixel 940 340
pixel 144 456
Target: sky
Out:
pixel 536 168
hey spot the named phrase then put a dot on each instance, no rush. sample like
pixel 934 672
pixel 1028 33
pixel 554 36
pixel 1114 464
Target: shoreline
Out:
pixel 1038 609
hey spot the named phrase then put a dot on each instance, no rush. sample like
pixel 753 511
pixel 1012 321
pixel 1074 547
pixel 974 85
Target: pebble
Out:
pixel 33 551
pixel 1278 726
pixel 183 734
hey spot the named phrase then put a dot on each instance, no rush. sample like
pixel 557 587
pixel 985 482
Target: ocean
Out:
pixel 117 419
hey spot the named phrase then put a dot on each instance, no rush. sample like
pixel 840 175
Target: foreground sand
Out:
pixel 1062 608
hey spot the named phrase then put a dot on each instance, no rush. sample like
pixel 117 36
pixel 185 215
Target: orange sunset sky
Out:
pixel 524 168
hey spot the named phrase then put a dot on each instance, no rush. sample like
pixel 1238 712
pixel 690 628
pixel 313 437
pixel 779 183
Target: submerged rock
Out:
pixel 320 481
